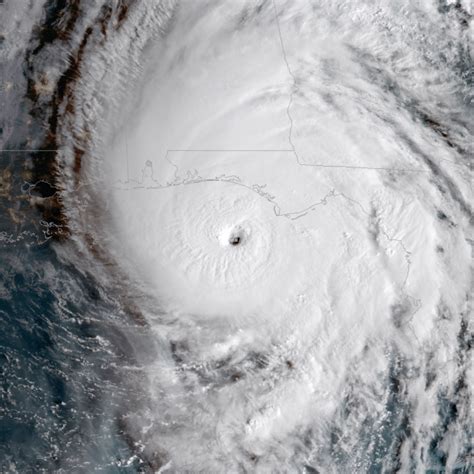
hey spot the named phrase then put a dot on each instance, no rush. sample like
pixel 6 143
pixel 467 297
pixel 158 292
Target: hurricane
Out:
pixel 236 236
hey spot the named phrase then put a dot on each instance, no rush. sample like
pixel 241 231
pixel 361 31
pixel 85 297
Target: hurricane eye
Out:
pixel 234 240
pixel 236 236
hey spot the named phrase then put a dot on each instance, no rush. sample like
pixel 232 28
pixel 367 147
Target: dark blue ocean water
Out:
pixel 60 387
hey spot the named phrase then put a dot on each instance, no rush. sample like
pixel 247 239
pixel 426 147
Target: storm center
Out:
pixel 235 236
